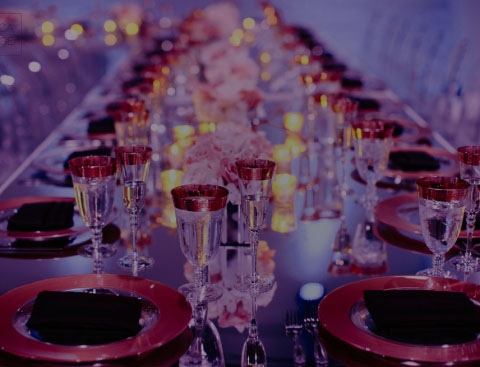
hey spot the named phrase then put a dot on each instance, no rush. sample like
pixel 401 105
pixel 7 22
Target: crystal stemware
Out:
pixel 255 179
pixel 94 179
pixel 441 209
pixel 199 211
pixel 372 141
pixel 469 159
pixel 255 176
pixel 134 163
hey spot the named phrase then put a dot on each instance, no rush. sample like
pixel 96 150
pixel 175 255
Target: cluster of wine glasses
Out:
pixel 200 212
pixel 94 182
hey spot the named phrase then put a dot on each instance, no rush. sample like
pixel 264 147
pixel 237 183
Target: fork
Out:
pixel 311 323
pixel 293 328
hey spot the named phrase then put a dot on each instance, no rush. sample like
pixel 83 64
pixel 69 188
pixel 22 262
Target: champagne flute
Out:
pixel 372 140
pixel 94 179
pixel 199 211
pixel 134 163
pixel 255 176
pixel 469 159
pixel 343 112
pixel 441 209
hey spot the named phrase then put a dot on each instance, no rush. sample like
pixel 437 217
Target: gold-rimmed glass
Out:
pixel 94 180
pixel 441 209
pixel 134 163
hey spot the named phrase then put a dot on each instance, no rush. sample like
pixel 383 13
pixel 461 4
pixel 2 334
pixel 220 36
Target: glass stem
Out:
pixel 370 198
pixel 254 248
pixel 438 264
pixel 199 318
pixel 470 219
pixel 97 254
pixel 252 327
pixel 134 227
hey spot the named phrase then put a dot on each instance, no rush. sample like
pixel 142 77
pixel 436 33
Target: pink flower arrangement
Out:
pixel 229 89
pixel 211 159
pixel 215 21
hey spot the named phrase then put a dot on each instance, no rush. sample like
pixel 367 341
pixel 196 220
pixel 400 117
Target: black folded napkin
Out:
pixel 103 125
pixel 397 129
pixel 84 153
pixel 413 161
pixel 350 82
pixel 45 216
pixel 423 317
pixel 365 103
pixel 77 318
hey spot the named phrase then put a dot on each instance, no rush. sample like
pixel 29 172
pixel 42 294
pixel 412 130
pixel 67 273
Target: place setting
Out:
pixel 92 318
pixel 44 227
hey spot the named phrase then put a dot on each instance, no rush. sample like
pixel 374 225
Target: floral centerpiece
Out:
pixel 215 21
pixel 228 89
pixel 211 159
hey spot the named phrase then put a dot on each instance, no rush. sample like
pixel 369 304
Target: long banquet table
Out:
pixel 299 257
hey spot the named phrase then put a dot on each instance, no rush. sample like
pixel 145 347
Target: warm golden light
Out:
pixel 265 76
pixel 248 23
pixel 293 121
pixel 110 26
pixel 283 219
pixel 181 132
pixel 132 29
pixel 110 39
pixel 284 187
pixel 237 37
pixel 171 178
pixel 175 153
pixel 296 145
pixel 48 40
pixel 282 155
pixel 206 127
pixel 265 58
pixel 77 28
pixel 48 27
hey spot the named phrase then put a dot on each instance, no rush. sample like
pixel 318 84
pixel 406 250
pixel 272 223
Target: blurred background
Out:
pixel 426 51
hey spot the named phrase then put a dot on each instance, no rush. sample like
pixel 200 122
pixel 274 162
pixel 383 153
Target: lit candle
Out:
pixel 296 145
pixel 181 132
pixel 293 121
pixel 175 153
pixel 171 178
pixel 282 155
pixel 283 188
pixel 283 219
pixel 206 127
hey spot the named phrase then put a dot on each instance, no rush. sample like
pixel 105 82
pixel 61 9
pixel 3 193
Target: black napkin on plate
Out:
pixel 102 125
pixel 351 82
pixel 365 103
pixel 413 161
pixel 397 129
pixel 84 153
pixel 79 318
pixel 44 216
pixel 423 317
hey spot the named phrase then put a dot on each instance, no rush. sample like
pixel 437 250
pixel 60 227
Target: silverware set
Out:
pixel 295 324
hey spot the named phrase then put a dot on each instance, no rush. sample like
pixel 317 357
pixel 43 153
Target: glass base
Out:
pixel 439 273
pixel 105 250
pixel 259 285
pixel 465 263
pixel 211 292
pixel 135 263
